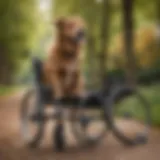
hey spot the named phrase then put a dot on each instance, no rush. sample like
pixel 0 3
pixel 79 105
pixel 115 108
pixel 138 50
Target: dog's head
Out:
pixel 71 33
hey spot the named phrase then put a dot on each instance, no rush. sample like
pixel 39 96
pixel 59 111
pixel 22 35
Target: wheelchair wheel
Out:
pixel 32 125
pixel 129 116
pixel 88 124
pixel 59 137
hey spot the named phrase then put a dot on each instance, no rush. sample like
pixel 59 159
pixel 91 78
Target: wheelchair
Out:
pixel 116 107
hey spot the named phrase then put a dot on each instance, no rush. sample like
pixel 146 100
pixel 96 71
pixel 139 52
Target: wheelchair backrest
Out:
pixel 37 69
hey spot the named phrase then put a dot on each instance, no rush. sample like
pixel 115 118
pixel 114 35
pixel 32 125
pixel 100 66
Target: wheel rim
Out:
pixel 131 119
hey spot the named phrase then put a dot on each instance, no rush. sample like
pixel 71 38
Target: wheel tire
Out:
pixel 35 140
pixel 117 96
pixel 58 137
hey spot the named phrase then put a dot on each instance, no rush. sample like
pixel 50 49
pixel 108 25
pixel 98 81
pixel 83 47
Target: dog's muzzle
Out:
pixel 80 36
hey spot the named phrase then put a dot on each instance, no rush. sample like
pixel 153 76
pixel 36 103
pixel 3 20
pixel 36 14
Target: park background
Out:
pixel 123 45
pixel 123 42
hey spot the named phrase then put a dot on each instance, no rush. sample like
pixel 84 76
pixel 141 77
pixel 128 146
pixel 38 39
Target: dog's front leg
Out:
pixel 78 85
pixel 56 86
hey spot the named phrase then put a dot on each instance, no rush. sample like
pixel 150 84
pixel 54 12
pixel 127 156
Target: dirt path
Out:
pixel 12 147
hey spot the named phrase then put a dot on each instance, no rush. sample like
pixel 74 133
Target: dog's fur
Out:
pixel 62 69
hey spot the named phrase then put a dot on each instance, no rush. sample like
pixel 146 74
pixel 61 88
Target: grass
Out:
pixel 153 96
pixel 133 107
pixel 6 90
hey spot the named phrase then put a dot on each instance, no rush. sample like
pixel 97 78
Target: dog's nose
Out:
pixel 80 35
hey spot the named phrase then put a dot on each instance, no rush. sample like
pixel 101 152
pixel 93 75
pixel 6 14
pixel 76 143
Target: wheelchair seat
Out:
pixel 46 92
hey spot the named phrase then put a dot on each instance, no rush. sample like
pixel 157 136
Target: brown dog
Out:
pixel 62 69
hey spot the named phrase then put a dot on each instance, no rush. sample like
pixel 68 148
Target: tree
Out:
pixel 158 27
pixel 18 29
pixel 128 38
pixel 104 38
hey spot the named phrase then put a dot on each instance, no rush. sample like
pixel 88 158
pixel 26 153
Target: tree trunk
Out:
pixel 104 39
pixel 158 11
pixel 158 29
pixel 128 39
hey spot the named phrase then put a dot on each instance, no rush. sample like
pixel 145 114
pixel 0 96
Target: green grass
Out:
pixel 133 107
pixel 6 90
pixel 152 94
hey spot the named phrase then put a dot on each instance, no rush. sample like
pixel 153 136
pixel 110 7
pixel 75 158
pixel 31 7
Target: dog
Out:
pixel 62 68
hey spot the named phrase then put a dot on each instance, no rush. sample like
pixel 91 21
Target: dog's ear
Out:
pixel 59 23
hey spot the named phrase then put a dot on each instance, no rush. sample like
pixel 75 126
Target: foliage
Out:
pixel 18 32
pixel 145 44
pixel 144 76
pixel 24 32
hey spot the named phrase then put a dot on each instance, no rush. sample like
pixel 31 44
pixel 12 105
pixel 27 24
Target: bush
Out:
pixel 145 76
